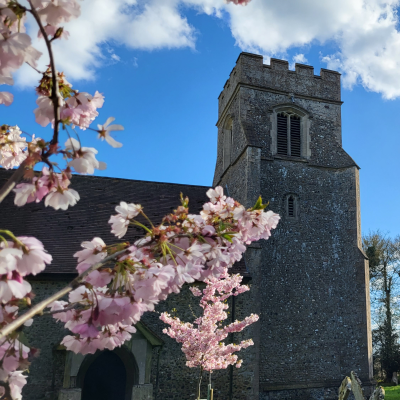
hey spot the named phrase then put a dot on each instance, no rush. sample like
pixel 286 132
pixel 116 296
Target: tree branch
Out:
pixel 38 308
pixel 12 181
pixel 55 94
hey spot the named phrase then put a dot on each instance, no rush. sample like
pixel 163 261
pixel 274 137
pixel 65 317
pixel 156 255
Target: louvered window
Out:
pixel 288 135
pixel 295 139
pixel 282 139
pixel 291 205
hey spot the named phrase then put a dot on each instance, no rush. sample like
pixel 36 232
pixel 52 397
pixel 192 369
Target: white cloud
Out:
pixel 365 33
pixel 138 24
pixel 298 58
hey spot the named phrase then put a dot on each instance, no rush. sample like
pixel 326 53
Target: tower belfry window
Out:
pixel 288 134
pixel 292 206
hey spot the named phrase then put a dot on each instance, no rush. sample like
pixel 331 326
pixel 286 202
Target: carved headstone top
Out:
pixel 345 389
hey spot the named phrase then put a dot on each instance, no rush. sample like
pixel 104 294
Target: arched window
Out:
pixel 291 206
pixel 288 134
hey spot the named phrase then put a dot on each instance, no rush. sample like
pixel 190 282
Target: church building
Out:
pixel 279 136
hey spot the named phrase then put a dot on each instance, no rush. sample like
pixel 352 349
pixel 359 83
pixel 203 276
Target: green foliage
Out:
pixel 391 392
pixel 259 205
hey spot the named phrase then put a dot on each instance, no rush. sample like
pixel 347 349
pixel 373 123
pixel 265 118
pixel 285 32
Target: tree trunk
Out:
pixel 199 383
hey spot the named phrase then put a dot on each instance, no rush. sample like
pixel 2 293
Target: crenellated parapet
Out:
pixel 251 71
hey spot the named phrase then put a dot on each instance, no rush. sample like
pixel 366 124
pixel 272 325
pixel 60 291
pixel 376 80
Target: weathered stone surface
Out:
pixel 142 392
pixel 70 394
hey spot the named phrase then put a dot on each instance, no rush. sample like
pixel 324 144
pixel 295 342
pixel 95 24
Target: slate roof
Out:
pixel 62 231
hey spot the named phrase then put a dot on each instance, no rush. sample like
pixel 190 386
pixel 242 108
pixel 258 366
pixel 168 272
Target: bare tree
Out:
pixel 384 261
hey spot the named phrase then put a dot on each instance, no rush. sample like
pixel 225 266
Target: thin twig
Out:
pixel 38 308
pixel 39 72
pixel 12 181
pixel 55 97
pixel 70 307
pixel 55 94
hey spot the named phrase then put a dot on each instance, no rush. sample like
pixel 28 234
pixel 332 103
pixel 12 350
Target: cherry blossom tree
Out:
pixel 203 345
pixel 117 282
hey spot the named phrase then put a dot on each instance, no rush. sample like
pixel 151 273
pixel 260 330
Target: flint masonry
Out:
pixel 279 135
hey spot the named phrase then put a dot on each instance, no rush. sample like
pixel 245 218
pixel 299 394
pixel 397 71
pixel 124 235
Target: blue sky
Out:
pixel 165 95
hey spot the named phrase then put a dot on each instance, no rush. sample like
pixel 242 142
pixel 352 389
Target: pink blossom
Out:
pixel 80 109
pixel 91 251
pixel 24 193
pixel 13 286
pixel 15 49
pixel 17 382
pixel 216 194
pixel 6 98
pixel 44 114
pixel 8 259
pixel 86 330
pixel 34 257
pixel 120 222
pixel 104 132
pixel 12 147
pixel 84 160
pixel 62 198
pixel 56 12
pixel 203 345
pixel 29 192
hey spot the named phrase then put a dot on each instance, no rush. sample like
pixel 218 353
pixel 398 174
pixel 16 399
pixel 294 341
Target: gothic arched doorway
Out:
pixel 105 379
pixel 108 375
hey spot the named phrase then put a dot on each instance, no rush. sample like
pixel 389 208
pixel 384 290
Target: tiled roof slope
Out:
pixel 62 231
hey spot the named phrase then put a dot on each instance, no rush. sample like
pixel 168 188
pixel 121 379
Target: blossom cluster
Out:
pixel 182 249
pixel 19 257
pixel 203 341
pixel 13 147
pixel 102 311
pixel 58 104
pixel 54 187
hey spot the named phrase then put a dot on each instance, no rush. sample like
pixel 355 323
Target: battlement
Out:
pixel 251 71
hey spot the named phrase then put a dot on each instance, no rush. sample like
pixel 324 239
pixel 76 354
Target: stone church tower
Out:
pixel 279 134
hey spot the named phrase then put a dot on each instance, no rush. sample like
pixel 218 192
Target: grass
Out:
pixel 392 392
